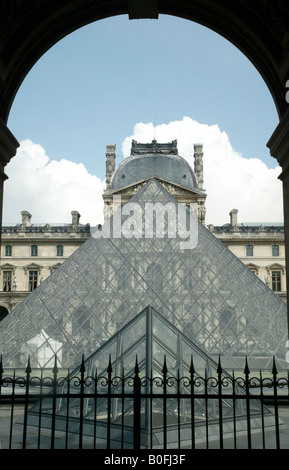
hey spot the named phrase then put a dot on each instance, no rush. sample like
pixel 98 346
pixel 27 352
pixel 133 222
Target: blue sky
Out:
pixel 94 86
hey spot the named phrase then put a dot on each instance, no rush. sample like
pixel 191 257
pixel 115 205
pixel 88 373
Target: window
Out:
pixel 34 250
pixel 275 250
pixel 33 278
pixel 8 250
pixel 59 250
pixel 276 281
pixel 7 281
pixel 249 250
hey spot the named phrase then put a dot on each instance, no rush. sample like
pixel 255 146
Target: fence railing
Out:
pixel 164 411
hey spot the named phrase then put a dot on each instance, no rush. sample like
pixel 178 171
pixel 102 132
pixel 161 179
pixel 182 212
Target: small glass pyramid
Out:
pixel 205 291
pixel 160 351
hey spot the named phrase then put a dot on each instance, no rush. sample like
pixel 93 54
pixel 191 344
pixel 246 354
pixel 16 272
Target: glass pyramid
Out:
pixel 204 291
pixel 160 351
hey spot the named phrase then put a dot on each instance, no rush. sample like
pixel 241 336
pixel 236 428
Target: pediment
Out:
pixel 171 187
pixel 277 266
pixel 253 267
pixel 54 266
pixel 35 266
pixel 8 266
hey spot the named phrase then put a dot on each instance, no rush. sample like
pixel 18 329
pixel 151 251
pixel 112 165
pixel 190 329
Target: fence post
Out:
pixel 247 385
pixel 28 372
pixel 165 372
pixel 192 377
pixel 275 387
pixel 53 418
pixel 137 408
pixel 82 372
pixel 109 382
pixel 219 371
pixel 1 373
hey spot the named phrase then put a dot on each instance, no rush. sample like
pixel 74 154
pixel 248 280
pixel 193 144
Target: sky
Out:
pixel 116 80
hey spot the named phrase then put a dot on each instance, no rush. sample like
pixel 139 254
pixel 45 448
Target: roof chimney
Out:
pixel 75 218
pixel 110 163
pixel 234 218
pixel 26 218
pixel 198 161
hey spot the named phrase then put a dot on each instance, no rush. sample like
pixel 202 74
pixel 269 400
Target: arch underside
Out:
pixel 259 29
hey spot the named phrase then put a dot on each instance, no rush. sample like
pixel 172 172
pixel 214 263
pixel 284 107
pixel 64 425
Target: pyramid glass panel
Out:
pixel 201 288
pixel 154 343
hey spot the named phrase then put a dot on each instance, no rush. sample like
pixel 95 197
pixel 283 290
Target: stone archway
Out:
pixel 259 29
pixel 3 312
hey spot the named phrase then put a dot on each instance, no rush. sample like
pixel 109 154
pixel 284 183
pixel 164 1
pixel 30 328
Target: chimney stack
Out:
pixel 198 164
pixel 75 218
pixel 234 218
pixel 110 163
pixel 26 218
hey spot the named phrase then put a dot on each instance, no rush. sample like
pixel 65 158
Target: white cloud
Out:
pixel 231 181
pixel 50 189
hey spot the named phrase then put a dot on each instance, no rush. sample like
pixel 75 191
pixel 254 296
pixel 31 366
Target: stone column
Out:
pixel 8 147
pixel 279 149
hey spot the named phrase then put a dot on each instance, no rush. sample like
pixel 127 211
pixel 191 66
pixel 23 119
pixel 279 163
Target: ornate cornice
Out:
pixel 169 148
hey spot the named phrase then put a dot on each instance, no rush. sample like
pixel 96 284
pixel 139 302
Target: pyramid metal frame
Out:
pixel 149 338
pixel 207 292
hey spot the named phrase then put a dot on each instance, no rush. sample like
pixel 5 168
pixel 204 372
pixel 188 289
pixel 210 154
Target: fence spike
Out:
pixel 246 369
pixel 55 368
pixel 136 367
pixel 219 368
pixel 274 368
pixel 82 367
pixel 109 368
pixel 192 369
pixel 165 369
pixel 28 369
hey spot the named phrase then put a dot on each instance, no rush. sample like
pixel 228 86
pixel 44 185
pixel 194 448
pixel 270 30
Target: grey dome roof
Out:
pixel 156 162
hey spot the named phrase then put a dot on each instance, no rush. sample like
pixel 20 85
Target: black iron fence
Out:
pixel 133 411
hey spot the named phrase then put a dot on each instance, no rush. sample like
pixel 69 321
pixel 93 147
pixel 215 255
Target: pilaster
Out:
pixel 8 147
pixel 279 149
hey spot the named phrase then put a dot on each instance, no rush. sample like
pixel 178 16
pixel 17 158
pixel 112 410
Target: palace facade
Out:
pixel 31 252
